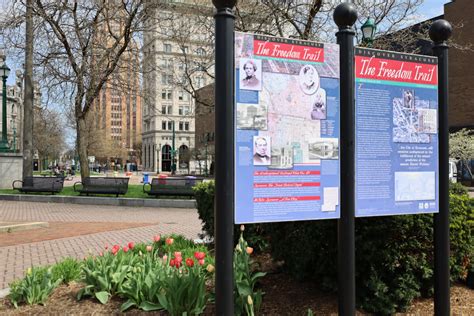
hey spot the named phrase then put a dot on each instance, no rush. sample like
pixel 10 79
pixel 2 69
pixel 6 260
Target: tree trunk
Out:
pixel 82 147
pixel 28 95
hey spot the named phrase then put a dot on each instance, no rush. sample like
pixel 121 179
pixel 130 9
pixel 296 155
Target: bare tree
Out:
pixel 28 95
pixel 79 44
pixel 48 135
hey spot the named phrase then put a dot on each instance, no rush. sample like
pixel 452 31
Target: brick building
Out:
pixel 461 65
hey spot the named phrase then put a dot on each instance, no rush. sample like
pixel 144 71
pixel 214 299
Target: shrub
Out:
pixel 394 255
pixel 204 193
pixel 34 288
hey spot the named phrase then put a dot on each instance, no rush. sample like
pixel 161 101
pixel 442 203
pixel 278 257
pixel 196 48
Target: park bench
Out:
pixel 171 186
pixel 102 185
pixel 39 184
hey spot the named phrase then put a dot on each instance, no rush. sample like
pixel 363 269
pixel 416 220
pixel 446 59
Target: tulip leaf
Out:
pixel 102 296
pixel 147 306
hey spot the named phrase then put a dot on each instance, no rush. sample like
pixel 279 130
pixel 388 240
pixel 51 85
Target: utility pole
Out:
pixel 28 95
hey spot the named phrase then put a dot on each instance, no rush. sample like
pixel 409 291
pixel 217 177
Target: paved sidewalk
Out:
pixel 14 260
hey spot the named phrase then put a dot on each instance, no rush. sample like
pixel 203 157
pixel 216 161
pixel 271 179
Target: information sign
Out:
pixel 286 129
pixel 396 133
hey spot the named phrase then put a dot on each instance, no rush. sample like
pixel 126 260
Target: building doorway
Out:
pixel 166 158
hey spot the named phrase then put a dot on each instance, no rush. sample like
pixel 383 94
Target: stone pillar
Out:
pixel 11 169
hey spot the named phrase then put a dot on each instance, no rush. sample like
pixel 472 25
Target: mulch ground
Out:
pixel 58 230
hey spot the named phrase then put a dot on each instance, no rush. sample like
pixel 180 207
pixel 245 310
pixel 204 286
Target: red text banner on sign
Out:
pixel 288 51
pixel 369 67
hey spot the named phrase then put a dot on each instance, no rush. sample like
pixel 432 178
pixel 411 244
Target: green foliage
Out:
pixel 457 188
pixel 394 255
pixel 204 193
pixel 184 291
pixel 105 275
pixel 246 299
pixel 34 288
pixel 461 144
pixel 67 270
pixel 143 287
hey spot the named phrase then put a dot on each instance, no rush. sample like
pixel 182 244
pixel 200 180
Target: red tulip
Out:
pixel 177 264
pixel 169 241
pixel 125 249
pixel 190 262
pixel 114 250
pixel 149 248
pixel 249 250
pixel 201 262
pixel 177 254
pixel 172 262
pixel 199 255
pixel 156 238
pixel 131 245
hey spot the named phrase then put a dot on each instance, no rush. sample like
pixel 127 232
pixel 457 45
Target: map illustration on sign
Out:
pixel 396 133
pixel 287 129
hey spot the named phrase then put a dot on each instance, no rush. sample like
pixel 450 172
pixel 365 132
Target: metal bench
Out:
pixel 39 184
pixel 171 186
pixel 102 185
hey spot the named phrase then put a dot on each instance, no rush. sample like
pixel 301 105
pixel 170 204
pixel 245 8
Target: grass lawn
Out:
pixel 134 191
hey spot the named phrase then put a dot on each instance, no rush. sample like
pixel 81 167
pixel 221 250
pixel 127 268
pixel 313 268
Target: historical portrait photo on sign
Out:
pixel 308 79
pixel 250 74
pixel 261 151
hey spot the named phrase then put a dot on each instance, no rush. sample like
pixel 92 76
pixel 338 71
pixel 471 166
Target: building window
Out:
pixel 200 51
pixel 167 48
pixel 170 125
pixel 183 110
pixel 166 94
pixel 186 126
pixel 183 95
pixel 166 78
pixel 181 126
pixel 166 109
pixel 163 125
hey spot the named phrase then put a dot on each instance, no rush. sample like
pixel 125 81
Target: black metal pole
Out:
pixel 224 192
pixel 345 16
pixel 440 31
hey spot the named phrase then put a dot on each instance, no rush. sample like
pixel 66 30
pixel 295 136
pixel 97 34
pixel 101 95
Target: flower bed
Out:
pixel 169 274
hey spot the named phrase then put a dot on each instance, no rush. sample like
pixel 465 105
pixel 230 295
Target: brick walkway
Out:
pixel 14 260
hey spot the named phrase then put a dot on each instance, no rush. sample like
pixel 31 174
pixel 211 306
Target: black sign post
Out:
pixel 345 16
pixel 224 118
pixel 440 31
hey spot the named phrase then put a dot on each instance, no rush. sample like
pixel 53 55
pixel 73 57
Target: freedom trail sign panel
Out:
pixel 396 133
pixel 286 129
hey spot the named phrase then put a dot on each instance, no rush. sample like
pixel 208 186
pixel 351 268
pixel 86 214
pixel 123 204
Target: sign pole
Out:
pixel 224 192
pixel 345 16
pixel 439 32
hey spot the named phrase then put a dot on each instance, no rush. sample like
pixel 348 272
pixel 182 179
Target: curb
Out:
pixel 22 226
pixel 91 200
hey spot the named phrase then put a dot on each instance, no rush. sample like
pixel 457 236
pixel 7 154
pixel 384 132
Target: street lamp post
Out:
pixel 368 32
pixel 4 72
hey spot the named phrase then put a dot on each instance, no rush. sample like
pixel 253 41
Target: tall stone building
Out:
pixel 176 63
pixel 117 111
